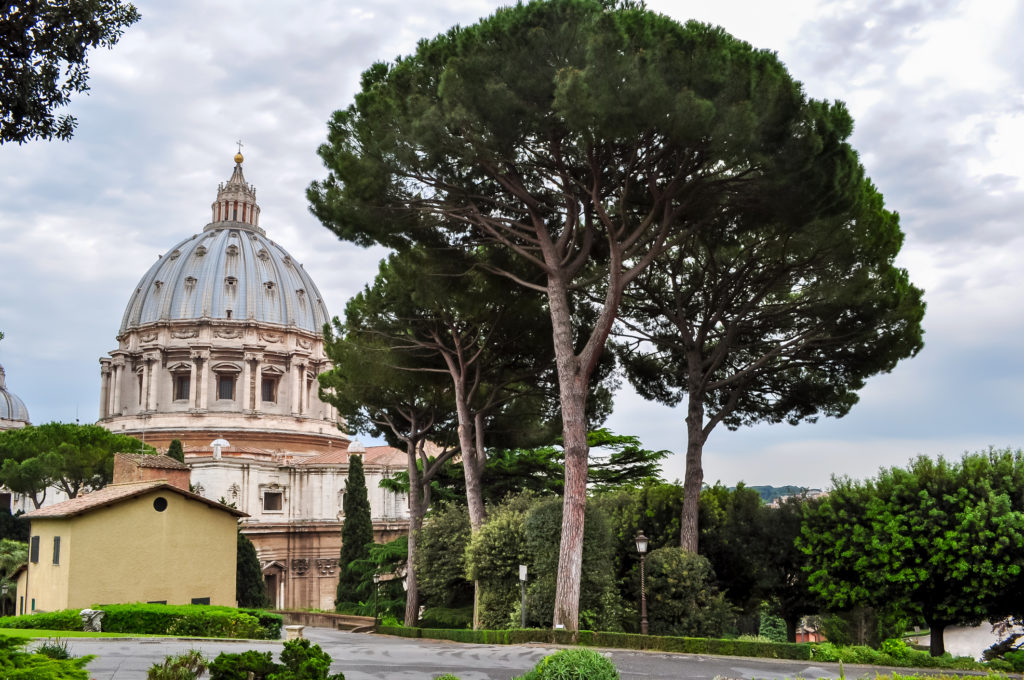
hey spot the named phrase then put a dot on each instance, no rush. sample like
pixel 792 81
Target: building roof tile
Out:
pixel 115 493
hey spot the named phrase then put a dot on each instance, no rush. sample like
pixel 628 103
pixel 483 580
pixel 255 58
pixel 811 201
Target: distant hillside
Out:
pixel 770 493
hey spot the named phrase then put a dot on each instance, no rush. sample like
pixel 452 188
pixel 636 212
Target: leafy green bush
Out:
pixel 238 666
pixel 300 660
pixel 600 604
pixel 441 559
pixel 1016 660
pixel 17 664
pixel 573 664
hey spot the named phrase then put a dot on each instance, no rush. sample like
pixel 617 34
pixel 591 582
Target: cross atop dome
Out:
pixel 236 200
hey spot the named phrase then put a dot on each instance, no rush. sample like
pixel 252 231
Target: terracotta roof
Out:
pixel 385 455
pixel 115 493
pixel 148 460
pixel 375 455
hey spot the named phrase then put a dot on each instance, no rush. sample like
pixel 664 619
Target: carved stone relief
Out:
pixel 326 567
pixel 186 333
pixel 270 337
pixel 227 333
pixel 300 566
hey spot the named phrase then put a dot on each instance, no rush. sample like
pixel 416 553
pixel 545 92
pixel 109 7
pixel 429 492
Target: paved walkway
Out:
pixel 382 657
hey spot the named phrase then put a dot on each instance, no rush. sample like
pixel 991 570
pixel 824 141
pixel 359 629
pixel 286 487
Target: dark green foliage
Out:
pixel 574 664
pixel 941 539
pixel 14 527
pixel 441 558
pixel 732 533
pixel 600 605
pixel 863 626
pixel 681 595
pixel 784 581
pixel 384 560
pixel 43 61
pixel 187 666
pixel 356 532
pixel 439 617
pixel 300 660
pixel 250 588
pixel 653 508
pixel 75 458
pixel 176 451
pixel 162 619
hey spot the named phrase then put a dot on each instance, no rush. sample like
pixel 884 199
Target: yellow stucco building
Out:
pixel 141 541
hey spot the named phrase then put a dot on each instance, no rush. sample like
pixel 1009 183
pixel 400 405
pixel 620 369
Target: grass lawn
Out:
pixel 39 633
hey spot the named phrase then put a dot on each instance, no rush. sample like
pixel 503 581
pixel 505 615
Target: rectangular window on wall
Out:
pixel 182 383
pixel 33 553
pixel 200 600
pixel 273 501
pixel 225 387
pixel 269 390
pixel 56 549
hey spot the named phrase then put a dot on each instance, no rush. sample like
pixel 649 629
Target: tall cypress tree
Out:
pixel 250 589
pixel 356 532
pixel 176 451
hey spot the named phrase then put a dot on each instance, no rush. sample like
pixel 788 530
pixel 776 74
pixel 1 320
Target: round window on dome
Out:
pixel 159 503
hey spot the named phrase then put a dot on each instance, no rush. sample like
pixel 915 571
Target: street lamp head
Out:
pixel 641 542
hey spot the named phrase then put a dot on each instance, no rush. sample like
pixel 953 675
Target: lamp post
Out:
pixel 522 593
pixel 3 602
pixel 376 587
pixel 641 547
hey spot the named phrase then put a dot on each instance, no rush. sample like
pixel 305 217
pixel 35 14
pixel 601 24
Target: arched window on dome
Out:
pixel 227 378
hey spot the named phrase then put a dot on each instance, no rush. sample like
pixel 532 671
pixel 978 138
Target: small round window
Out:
pixel 160 504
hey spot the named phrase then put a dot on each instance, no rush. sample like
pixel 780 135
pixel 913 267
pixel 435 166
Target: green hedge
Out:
pixel 899 656
pixel 191 620
pixel 771 650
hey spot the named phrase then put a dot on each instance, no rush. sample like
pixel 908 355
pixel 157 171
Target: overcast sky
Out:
pixel 935 88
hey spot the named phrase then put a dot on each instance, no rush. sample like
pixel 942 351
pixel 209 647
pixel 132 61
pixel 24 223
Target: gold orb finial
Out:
pixel 239 158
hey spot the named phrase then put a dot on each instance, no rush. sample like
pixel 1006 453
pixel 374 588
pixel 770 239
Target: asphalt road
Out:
pixel 381 657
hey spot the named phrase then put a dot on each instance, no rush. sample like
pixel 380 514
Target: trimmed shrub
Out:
pixel 162 619
pixel 65 619
pixel 574 664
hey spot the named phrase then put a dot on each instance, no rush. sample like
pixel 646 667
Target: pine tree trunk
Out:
pixel 570 553
pixel 472 469
pixel 417 508
pixel 694 477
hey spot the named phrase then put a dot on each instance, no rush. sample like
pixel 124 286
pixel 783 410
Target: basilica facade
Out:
pixel 220 347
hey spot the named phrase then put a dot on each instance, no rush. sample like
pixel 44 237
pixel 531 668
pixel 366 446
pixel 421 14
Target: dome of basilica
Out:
pixel 12 408
pixel 229 271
